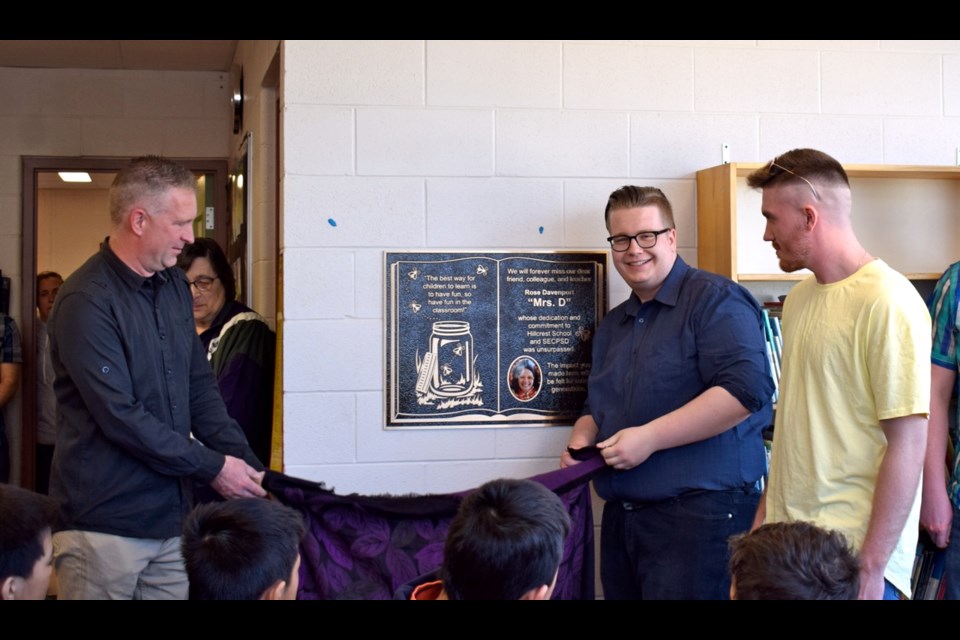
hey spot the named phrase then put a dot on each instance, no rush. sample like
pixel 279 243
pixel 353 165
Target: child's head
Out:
pixel 505 543
pixel 793 561
pixel 27 521
pixel 243 549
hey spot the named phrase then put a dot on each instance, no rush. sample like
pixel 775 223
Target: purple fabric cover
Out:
pixel 364 547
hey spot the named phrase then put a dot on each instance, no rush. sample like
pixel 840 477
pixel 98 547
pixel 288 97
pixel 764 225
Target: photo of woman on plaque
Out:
pixel 524 378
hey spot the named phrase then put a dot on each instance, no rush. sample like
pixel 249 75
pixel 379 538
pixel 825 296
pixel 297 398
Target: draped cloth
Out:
pixel 364 547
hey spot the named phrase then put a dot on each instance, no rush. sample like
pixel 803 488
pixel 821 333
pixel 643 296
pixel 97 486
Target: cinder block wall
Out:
pixel 456 145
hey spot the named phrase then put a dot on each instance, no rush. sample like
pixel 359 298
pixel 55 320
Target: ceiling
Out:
pixel 159 55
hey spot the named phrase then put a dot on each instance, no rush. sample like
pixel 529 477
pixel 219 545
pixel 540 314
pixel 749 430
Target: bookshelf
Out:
pixel 908 215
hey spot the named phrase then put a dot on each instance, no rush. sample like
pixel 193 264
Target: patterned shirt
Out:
pixel 943 311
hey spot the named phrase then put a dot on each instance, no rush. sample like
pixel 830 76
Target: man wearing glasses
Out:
pixel 851 421
pixel 133 383
pixel 679 393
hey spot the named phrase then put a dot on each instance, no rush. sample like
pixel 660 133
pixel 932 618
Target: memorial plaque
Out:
pixel 490 339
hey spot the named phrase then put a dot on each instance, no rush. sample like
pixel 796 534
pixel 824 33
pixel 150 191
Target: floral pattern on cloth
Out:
pixel 365 547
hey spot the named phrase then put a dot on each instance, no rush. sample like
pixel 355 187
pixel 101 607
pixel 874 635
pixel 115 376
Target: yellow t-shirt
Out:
pixel 855 352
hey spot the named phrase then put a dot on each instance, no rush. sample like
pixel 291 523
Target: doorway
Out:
pixel 62 227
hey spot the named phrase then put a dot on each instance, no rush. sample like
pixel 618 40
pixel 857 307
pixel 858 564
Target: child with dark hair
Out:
pixel 505 543
pixel 27 521
pixel 793 561
pixel 243 549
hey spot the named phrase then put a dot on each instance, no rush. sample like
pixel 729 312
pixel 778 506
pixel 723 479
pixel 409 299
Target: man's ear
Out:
pixel 275 591
pixel 810 218
pixel 539 593
pixel 8 588
pixel 136 221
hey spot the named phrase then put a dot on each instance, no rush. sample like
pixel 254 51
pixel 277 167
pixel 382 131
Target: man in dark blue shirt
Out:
pixel 140 417
pixel 679 394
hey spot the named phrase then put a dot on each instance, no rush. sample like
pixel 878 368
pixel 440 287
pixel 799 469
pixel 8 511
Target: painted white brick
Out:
pixel 87 93
pixel 886 83
pixel 585 200
pixel 532 442
pixel 10 260
pixel 850 140
pixel 447 477
pixel 366 479
pixel 165 94
pixel 627 76
pixel 821 45
pixel 323 144
pixel 375 444
pixel 583 204
pixel 36 136
pixel 368 212
pixel 318 283
pixel 424 142
pixel 208 137
pixel 674 145
pixel 332 355
pixel 9 175
pixel 561 143
pixel 926 46
pixel 741 44
pixel 319 428
pixel 362 72
pixel 921 141
pixel 218 99
pixel 368 283
pixel 122 137
pixel 493 74
pixel 20 89
pixel 746 80
pixel 951 85
pixel 494 213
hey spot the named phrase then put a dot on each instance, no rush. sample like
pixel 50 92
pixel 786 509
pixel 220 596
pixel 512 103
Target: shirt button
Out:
pixel 169 372
pixel 640 321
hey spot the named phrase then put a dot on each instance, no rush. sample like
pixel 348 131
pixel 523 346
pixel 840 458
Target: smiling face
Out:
pixel 785 228
pixel 644 270
pixel 525 380
pixel 165 228
pixel 206 304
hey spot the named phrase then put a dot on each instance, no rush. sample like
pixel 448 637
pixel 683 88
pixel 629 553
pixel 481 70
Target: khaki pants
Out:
pixel 100 566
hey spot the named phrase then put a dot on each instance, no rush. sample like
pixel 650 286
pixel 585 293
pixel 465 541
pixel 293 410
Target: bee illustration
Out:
pixel 446 369
pixel 414 273
pixel 584 333
pixel 415 306
pixel 458 350
pixel 482 270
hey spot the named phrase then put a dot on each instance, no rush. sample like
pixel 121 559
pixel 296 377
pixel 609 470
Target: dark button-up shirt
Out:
pixel 700 331
pixel 132 383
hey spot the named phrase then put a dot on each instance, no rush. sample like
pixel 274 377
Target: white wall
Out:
pixel 456 145
pixel 73 112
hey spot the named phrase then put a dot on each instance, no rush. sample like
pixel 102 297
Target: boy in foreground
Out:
pixel 243 549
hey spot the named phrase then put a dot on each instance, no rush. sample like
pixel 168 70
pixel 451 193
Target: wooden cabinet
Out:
pixel 907 215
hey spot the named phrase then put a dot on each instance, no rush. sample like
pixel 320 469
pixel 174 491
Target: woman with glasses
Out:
pixel 240 346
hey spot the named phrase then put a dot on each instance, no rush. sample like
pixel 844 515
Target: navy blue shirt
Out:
pixel 700 331
pixel 132 384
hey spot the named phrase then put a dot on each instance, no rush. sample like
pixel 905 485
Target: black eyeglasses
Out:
pixel 645 240
pixel 203 283
pixel 773 165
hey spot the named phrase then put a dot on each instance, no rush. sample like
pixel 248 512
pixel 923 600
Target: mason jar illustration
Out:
pixel 451 348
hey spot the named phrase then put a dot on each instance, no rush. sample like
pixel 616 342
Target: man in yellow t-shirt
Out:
pixel 851 422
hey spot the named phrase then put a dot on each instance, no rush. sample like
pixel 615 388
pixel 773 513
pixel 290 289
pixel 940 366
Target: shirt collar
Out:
pixel 127 275
pixel 668 294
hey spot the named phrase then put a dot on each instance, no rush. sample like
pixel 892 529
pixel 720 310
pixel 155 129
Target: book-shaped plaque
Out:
pixel 490 339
